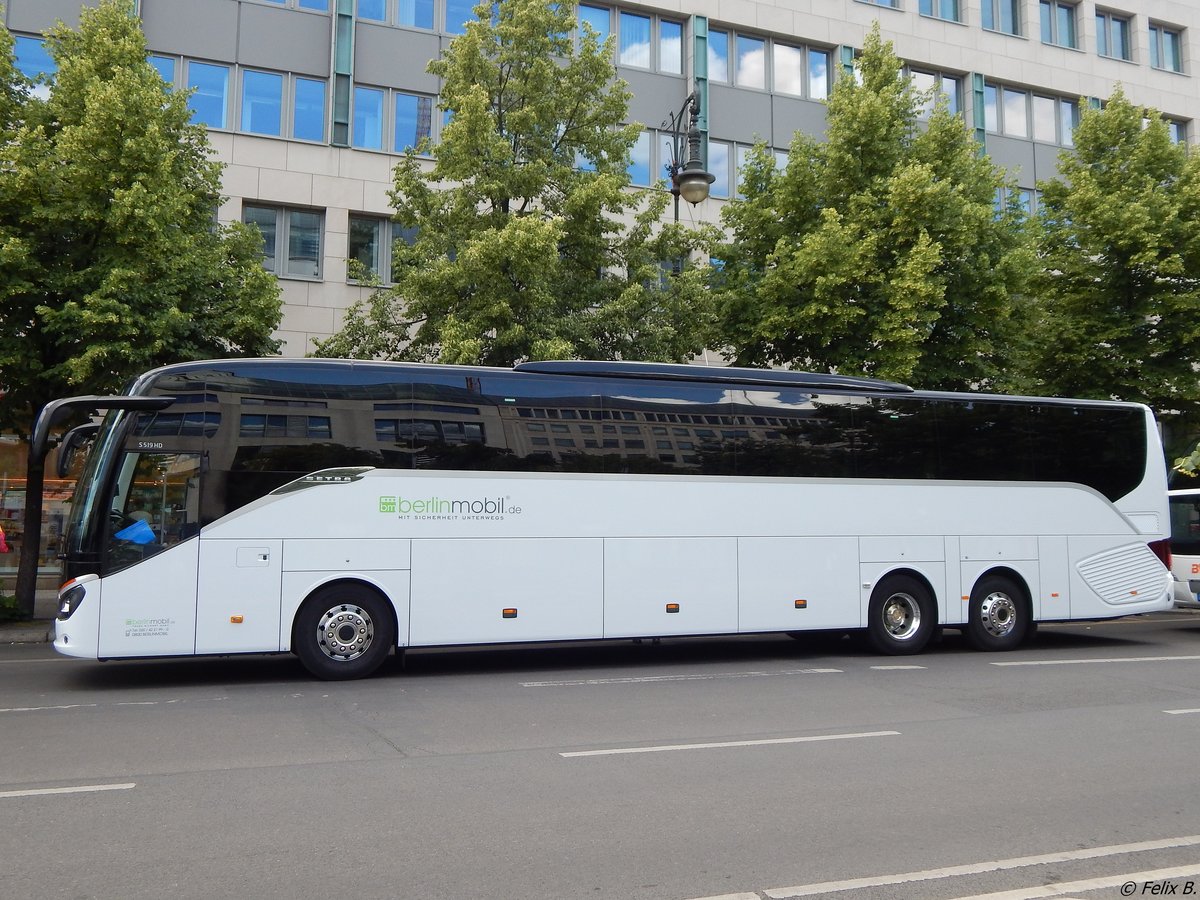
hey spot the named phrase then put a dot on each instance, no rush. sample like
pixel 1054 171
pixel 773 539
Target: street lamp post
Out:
pixel 688 177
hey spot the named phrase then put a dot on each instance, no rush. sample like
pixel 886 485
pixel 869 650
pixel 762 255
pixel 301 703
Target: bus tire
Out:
pixel 344 631
pixel 999 617
pixel 902 615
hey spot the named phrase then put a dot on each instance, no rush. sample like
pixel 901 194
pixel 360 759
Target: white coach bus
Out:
pixel 340 510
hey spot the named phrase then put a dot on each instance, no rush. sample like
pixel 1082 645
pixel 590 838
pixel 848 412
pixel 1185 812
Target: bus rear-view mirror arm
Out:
pixel 57 410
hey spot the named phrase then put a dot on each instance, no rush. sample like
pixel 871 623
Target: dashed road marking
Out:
pixel 652 679
pixel 79 789
pixel 724 744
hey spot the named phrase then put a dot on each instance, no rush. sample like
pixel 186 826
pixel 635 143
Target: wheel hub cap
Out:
pixel 345 632
pixel 998 614
pixel 902 616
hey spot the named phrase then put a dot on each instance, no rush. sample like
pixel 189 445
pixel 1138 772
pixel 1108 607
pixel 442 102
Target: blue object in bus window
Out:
pixel 137 533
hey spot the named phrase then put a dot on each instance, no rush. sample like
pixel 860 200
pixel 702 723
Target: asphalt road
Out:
pixel 755 767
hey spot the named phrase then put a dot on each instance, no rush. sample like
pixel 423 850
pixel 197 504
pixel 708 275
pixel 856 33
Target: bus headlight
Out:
pixel 70 595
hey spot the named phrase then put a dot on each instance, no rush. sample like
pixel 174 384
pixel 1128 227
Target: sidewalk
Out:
pixel 38 631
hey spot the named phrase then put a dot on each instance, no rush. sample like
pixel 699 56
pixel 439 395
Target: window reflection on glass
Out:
pixel 788 69
pixel 263 218
pixel 751 62
pixel 366 243
pixel 416 13
pixel 718 165
pixel 818 74
pixel 155 506
pixel 458 14
pixel 368 118
pixel 304 244
pixel 598 18
pixel 1015 121
pixel 165 66
pixel 635 41
pixel 1045 120
pixel 670 47
pixel 32 58
pixel 308 117
pixel 414 120
pixel 374 10
pixel 209 101
pixel 991 113
pixel 262 102
pixel 718 55
pixel 639 161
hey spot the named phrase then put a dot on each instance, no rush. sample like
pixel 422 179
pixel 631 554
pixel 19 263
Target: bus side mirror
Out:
pixel 71 442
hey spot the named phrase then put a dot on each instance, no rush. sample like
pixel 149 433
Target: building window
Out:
pixel 209 101
pixel 598 18
pixel 1112 35
pixel 458 14
pixel 670 47
pixel 308 110
pixel 1016 120
pixel 718 55
pixel 32 58
pixel 416 14
pixel 751 62
pixel 368 118
pixel 1058 23
pixel 787 69
pixel 634 49
pixel 165 66
pixel 414 121
pixel 892 4
pixel 370 246
pixel 718 165
pixel 639 161
pixel 1002 15
pixel 1166 48
pixel 818 74
pixel 262 103
pixel 371 10
pixel 940 9
pixel 291 239
pixel 1178 130
pixel 936 85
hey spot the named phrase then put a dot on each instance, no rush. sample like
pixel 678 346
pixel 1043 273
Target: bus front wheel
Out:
pixel 344 631
pixel 999 615
pixel 902 615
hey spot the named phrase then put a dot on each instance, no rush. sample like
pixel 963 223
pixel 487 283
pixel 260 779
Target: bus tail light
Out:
pixel 70 595
pixel 1162 549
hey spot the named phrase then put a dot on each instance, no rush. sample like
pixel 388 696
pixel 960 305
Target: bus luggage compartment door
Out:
pixel 237 607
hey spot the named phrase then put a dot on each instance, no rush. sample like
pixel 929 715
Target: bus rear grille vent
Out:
pixel 1126 575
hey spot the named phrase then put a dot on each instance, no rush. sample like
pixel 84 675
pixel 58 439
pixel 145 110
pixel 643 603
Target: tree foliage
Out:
pixel 528 242
pixel 878 251
pixel 1117 305
pixel 110 258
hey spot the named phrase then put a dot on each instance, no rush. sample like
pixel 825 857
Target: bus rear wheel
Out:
pixel 902 615
pixel 999 616
pixel 344 631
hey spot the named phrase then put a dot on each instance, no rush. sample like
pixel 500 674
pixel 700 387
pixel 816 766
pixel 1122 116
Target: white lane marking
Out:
pixel 19 709
pixel 896 668
pixel 722 744
pixel 650 679
pixel 1138 879
pixel 1180 712
pixel 1111 659
pixel 1017 862
pixel 81 789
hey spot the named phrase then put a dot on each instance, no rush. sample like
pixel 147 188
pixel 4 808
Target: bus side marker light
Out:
pixel 237 620
pixel 509 613
pixel 672 607
pixel 966 597
pixel 801 604
pixel 1054 595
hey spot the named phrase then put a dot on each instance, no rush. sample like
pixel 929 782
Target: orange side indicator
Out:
pixel 966 596
pixel 1054 594
pixel 509 613
pixel 672 607
pixel 237 620
pixel 1133 593
pixel 801 604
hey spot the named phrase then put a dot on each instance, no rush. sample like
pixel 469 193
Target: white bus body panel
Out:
pixel 149 609
pixel 591 556
pixel 643 575
pixel 237 607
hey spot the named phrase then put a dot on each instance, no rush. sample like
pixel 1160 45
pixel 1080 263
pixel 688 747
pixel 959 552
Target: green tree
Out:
pixel 1117 306
pixel 529 243
pixel 878 251
pixel 110 261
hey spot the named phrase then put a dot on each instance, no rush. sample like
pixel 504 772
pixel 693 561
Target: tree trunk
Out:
pixel 31 537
